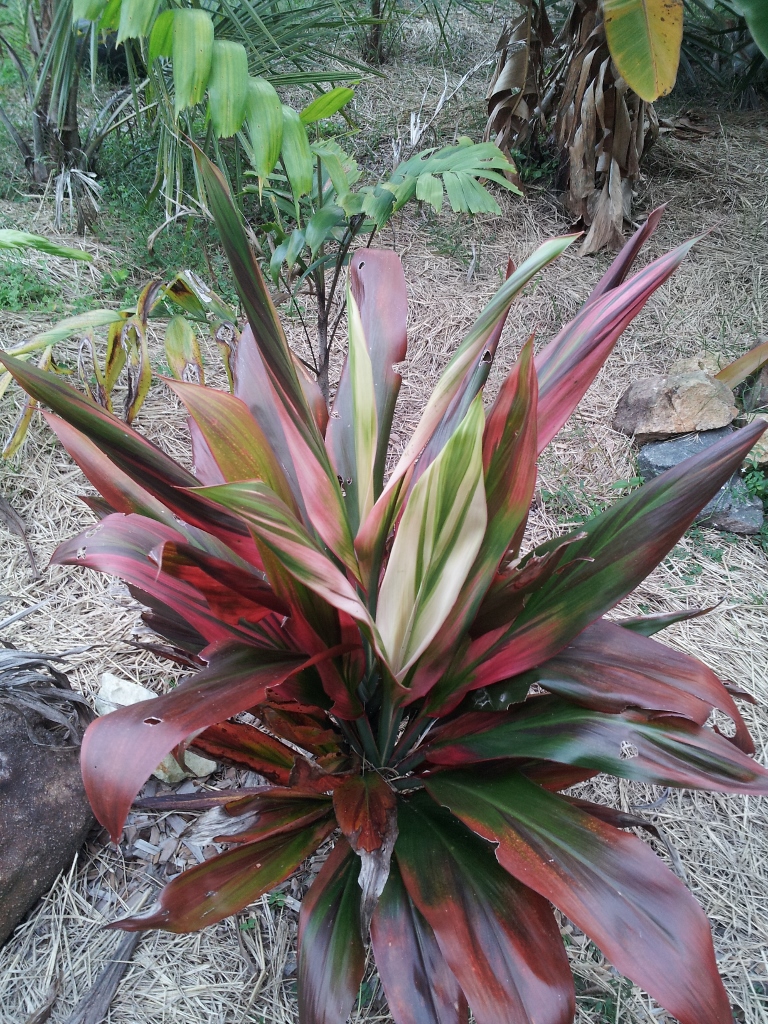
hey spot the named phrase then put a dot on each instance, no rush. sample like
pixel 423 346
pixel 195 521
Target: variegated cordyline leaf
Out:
pixel 440 533
pixel 377 285
pixel 364 422
pixel 370 538
pixel 570 362
pixel 319 485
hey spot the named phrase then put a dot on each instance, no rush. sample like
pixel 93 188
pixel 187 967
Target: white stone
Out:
pixel 114 693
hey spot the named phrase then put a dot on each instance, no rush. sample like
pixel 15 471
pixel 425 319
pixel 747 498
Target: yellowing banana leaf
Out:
pixel 264 113
pixel 135 19
pixel 435 545
pixel 161 37
pixel 183 351
pixel 87 10
pixel 326 105
pixel 19 431
pixel 192 53
pixel 644 37
pixel 10 238
pixel 296 154
pixel 227 86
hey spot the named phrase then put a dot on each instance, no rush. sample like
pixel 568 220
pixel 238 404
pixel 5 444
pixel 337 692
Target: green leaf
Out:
pixel 264 114
pixel 331 951
pixel 320 226
pixel 755 13
pixel 326 105
pixel 10 238
pixel 440 533
pixel 296 154
pixel 161 37
pixel 429 189
pixel 135 19
pixel 110 18
pixel 87 10
pixel 66 328
pixel 644 38
pixel 228 86
pixel 192 53
pixel 183 351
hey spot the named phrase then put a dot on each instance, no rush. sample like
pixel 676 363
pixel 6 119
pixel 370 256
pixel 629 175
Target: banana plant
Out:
pixel 385 636
pixel 316 206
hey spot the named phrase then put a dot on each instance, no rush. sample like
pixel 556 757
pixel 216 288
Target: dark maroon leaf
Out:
pixel 608 668
pixel 331 952
pixel 247 747
pixel 635 745
pixel 122 749
pixel 418 983
pixel 498 937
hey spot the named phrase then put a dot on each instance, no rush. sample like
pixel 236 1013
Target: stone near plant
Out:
pixel 759 453
pixel 44 812
pixel 709 362
pixel 659 407
pixel 117 693
pixel 733 509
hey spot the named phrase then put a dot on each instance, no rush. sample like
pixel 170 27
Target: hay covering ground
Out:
pixel 244 968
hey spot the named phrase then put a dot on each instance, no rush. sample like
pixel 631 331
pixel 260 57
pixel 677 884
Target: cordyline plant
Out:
pixel 384 639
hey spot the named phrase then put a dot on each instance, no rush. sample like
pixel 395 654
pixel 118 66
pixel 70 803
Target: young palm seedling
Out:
pixel 384 635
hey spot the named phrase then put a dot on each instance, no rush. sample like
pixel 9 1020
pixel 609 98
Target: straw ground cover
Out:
pixel 244 968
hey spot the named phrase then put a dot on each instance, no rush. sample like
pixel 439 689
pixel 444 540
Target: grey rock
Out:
pixel 733 509
pixel 680 403
pixel 44 813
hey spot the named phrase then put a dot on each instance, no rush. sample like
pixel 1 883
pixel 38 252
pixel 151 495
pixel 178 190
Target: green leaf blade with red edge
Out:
pixel 619 549
pixel 637 745
pixel 277 810
pixel 370 538
pixel 499 938
pixel 209 892
pixel 419 986
pixel 331 951
pixel 122 749
pixel 610 884
pixel 609 668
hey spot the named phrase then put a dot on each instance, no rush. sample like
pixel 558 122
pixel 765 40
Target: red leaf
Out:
pixel 366 810
pixel 622 263
pixel 331 952
pixel 610 884
pixel 570 362
pixel 221 886
pixel 122 545
pixel 279 810
pixel 419 986
pixel 498 938
pixel 122 749
pixel 247 747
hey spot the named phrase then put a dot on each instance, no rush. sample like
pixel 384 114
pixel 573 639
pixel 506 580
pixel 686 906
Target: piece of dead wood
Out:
pixel 13 521
pixel 94 1006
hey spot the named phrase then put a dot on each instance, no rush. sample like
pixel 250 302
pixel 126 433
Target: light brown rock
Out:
pixel 709 362
pixel 680 403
